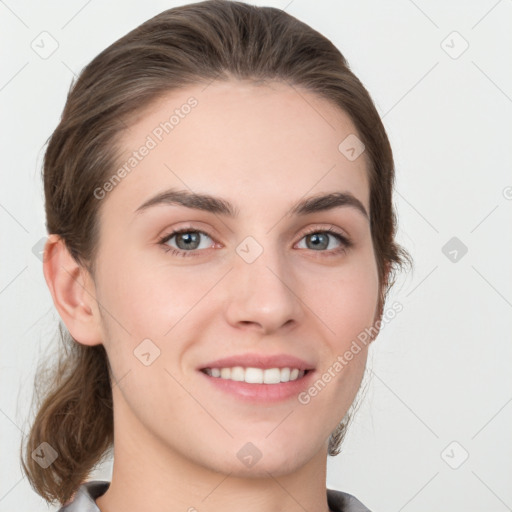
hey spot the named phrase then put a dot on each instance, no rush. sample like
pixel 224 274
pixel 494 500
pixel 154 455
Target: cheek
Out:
pixel 345 302
pixel 345 299
pixel 147 299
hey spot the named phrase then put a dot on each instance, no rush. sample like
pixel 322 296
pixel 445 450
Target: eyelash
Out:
pixel 346 243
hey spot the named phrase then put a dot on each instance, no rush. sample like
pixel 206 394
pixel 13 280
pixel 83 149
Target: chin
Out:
pixel 258 459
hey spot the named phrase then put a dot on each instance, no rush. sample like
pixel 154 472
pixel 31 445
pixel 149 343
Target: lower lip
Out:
pixel 262 392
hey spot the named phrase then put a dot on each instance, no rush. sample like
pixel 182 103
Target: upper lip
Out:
pixel 259 361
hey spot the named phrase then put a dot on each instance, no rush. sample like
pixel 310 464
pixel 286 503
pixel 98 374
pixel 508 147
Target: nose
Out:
pixel 263 295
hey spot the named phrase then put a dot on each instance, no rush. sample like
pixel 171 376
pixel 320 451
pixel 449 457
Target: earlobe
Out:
pixel 73 293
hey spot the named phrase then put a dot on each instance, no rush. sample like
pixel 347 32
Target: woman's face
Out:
pixel 256 280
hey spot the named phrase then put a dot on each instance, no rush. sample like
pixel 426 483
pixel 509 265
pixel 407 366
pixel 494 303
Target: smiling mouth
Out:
pixel 252 375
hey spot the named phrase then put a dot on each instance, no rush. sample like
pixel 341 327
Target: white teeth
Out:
pixel 256 375
pixel 237 373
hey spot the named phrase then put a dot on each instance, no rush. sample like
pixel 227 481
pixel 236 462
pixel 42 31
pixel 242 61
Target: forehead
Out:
pixel 272 140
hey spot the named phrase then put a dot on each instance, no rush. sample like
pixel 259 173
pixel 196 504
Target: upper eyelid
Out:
pixel 177 231
pixel 329 229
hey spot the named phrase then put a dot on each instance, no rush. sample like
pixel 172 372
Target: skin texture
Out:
pixel 262 147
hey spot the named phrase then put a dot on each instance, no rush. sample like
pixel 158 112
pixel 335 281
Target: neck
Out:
pixel 164 479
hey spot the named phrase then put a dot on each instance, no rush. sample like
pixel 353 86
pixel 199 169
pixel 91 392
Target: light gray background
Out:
pixel 440 371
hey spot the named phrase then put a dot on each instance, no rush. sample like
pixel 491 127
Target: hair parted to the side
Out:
pixel 190 44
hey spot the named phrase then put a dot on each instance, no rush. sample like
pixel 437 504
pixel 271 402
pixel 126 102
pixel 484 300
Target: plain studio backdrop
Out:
pixel 433 431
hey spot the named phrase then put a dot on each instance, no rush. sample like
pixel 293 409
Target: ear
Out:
pixel 73 292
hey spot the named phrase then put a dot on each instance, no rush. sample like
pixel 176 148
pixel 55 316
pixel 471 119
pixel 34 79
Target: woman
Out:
pixel 221 243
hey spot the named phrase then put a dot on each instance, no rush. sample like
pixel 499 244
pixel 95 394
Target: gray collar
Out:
pixel 85 499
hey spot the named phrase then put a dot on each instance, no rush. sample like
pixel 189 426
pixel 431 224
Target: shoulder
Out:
pixel 340 501
pixel 85 496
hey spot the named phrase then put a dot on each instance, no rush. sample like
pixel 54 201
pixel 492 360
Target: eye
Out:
pixel 188 240
pixel 319 240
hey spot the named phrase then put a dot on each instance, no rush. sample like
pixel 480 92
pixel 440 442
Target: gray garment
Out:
pixel 85 499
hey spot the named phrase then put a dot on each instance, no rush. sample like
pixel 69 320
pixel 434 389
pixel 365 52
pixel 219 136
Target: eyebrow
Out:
pixel 218 205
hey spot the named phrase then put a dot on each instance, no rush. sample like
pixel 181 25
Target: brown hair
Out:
pixel 190 44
